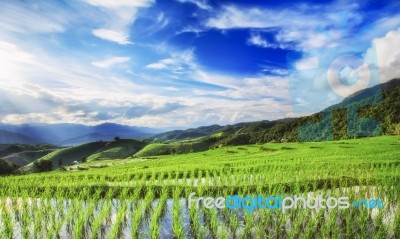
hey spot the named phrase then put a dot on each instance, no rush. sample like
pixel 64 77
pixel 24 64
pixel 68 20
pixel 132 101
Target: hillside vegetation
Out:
pixel 26 157
pixel 15 156
pixel 119 149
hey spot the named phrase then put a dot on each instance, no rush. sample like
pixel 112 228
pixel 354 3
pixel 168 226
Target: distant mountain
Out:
pixel 85 138
pixel 218 130
pixel 73 134
pixel 7 137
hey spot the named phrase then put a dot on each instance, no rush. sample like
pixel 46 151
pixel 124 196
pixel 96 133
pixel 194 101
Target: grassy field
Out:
pixel 146 197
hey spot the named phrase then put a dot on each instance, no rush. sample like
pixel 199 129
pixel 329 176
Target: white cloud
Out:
pixel 107 63
pixel 28 17
pixel 120 3
pixel 306 28
pixel 13 61
pixel 257 40
pixel 380 28
pixel 164 64
pixel 11 53
pixel 255 88
pixel 178 63
pixel 233 17
pixel 119 37
pixel 199 3
pixel 307 63
pixel 120 14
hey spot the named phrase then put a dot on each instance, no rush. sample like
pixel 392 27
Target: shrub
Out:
pixel 6 168
pixel 43 165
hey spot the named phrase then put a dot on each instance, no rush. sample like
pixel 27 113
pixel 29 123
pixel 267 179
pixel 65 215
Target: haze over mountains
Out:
pixel 69 134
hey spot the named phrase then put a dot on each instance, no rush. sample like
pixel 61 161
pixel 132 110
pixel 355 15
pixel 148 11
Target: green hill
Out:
pixel 26 157
pixel 155 149
pixel 118 149
pixel 7 149
pixel 63 157
pixel 192 133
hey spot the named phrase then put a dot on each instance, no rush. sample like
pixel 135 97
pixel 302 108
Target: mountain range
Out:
pixel 69 134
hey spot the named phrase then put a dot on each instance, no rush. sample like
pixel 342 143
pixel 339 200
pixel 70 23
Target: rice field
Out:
pixel 146 197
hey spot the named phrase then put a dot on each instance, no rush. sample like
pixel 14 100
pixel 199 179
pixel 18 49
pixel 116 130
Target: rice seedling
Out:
pixel 7 228
pixel 99 220
pixel 177 227
pixel 132 197
pixel 116 229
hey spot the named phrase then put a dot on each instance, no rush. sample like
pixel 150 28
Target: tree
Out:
pixel 116 138
pixel 5 167
pixel 59 162
pixel 43 165
pixel 397 129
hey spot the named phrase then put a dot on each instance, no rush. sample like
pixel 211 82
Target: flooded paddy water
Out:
pixel 120 218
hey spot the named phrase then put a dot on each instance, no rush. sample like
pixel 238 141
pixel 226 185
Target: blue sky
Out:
pixel 186 63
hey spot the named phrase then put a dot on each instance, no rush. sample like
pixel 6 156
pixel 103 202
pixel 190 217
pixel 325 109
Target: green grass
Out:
pixel 367 167
pixel 156 149
pixel 183 147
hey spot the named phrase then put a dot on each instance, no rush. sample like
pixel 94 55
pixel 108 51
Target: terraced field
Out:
pixel 146 197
